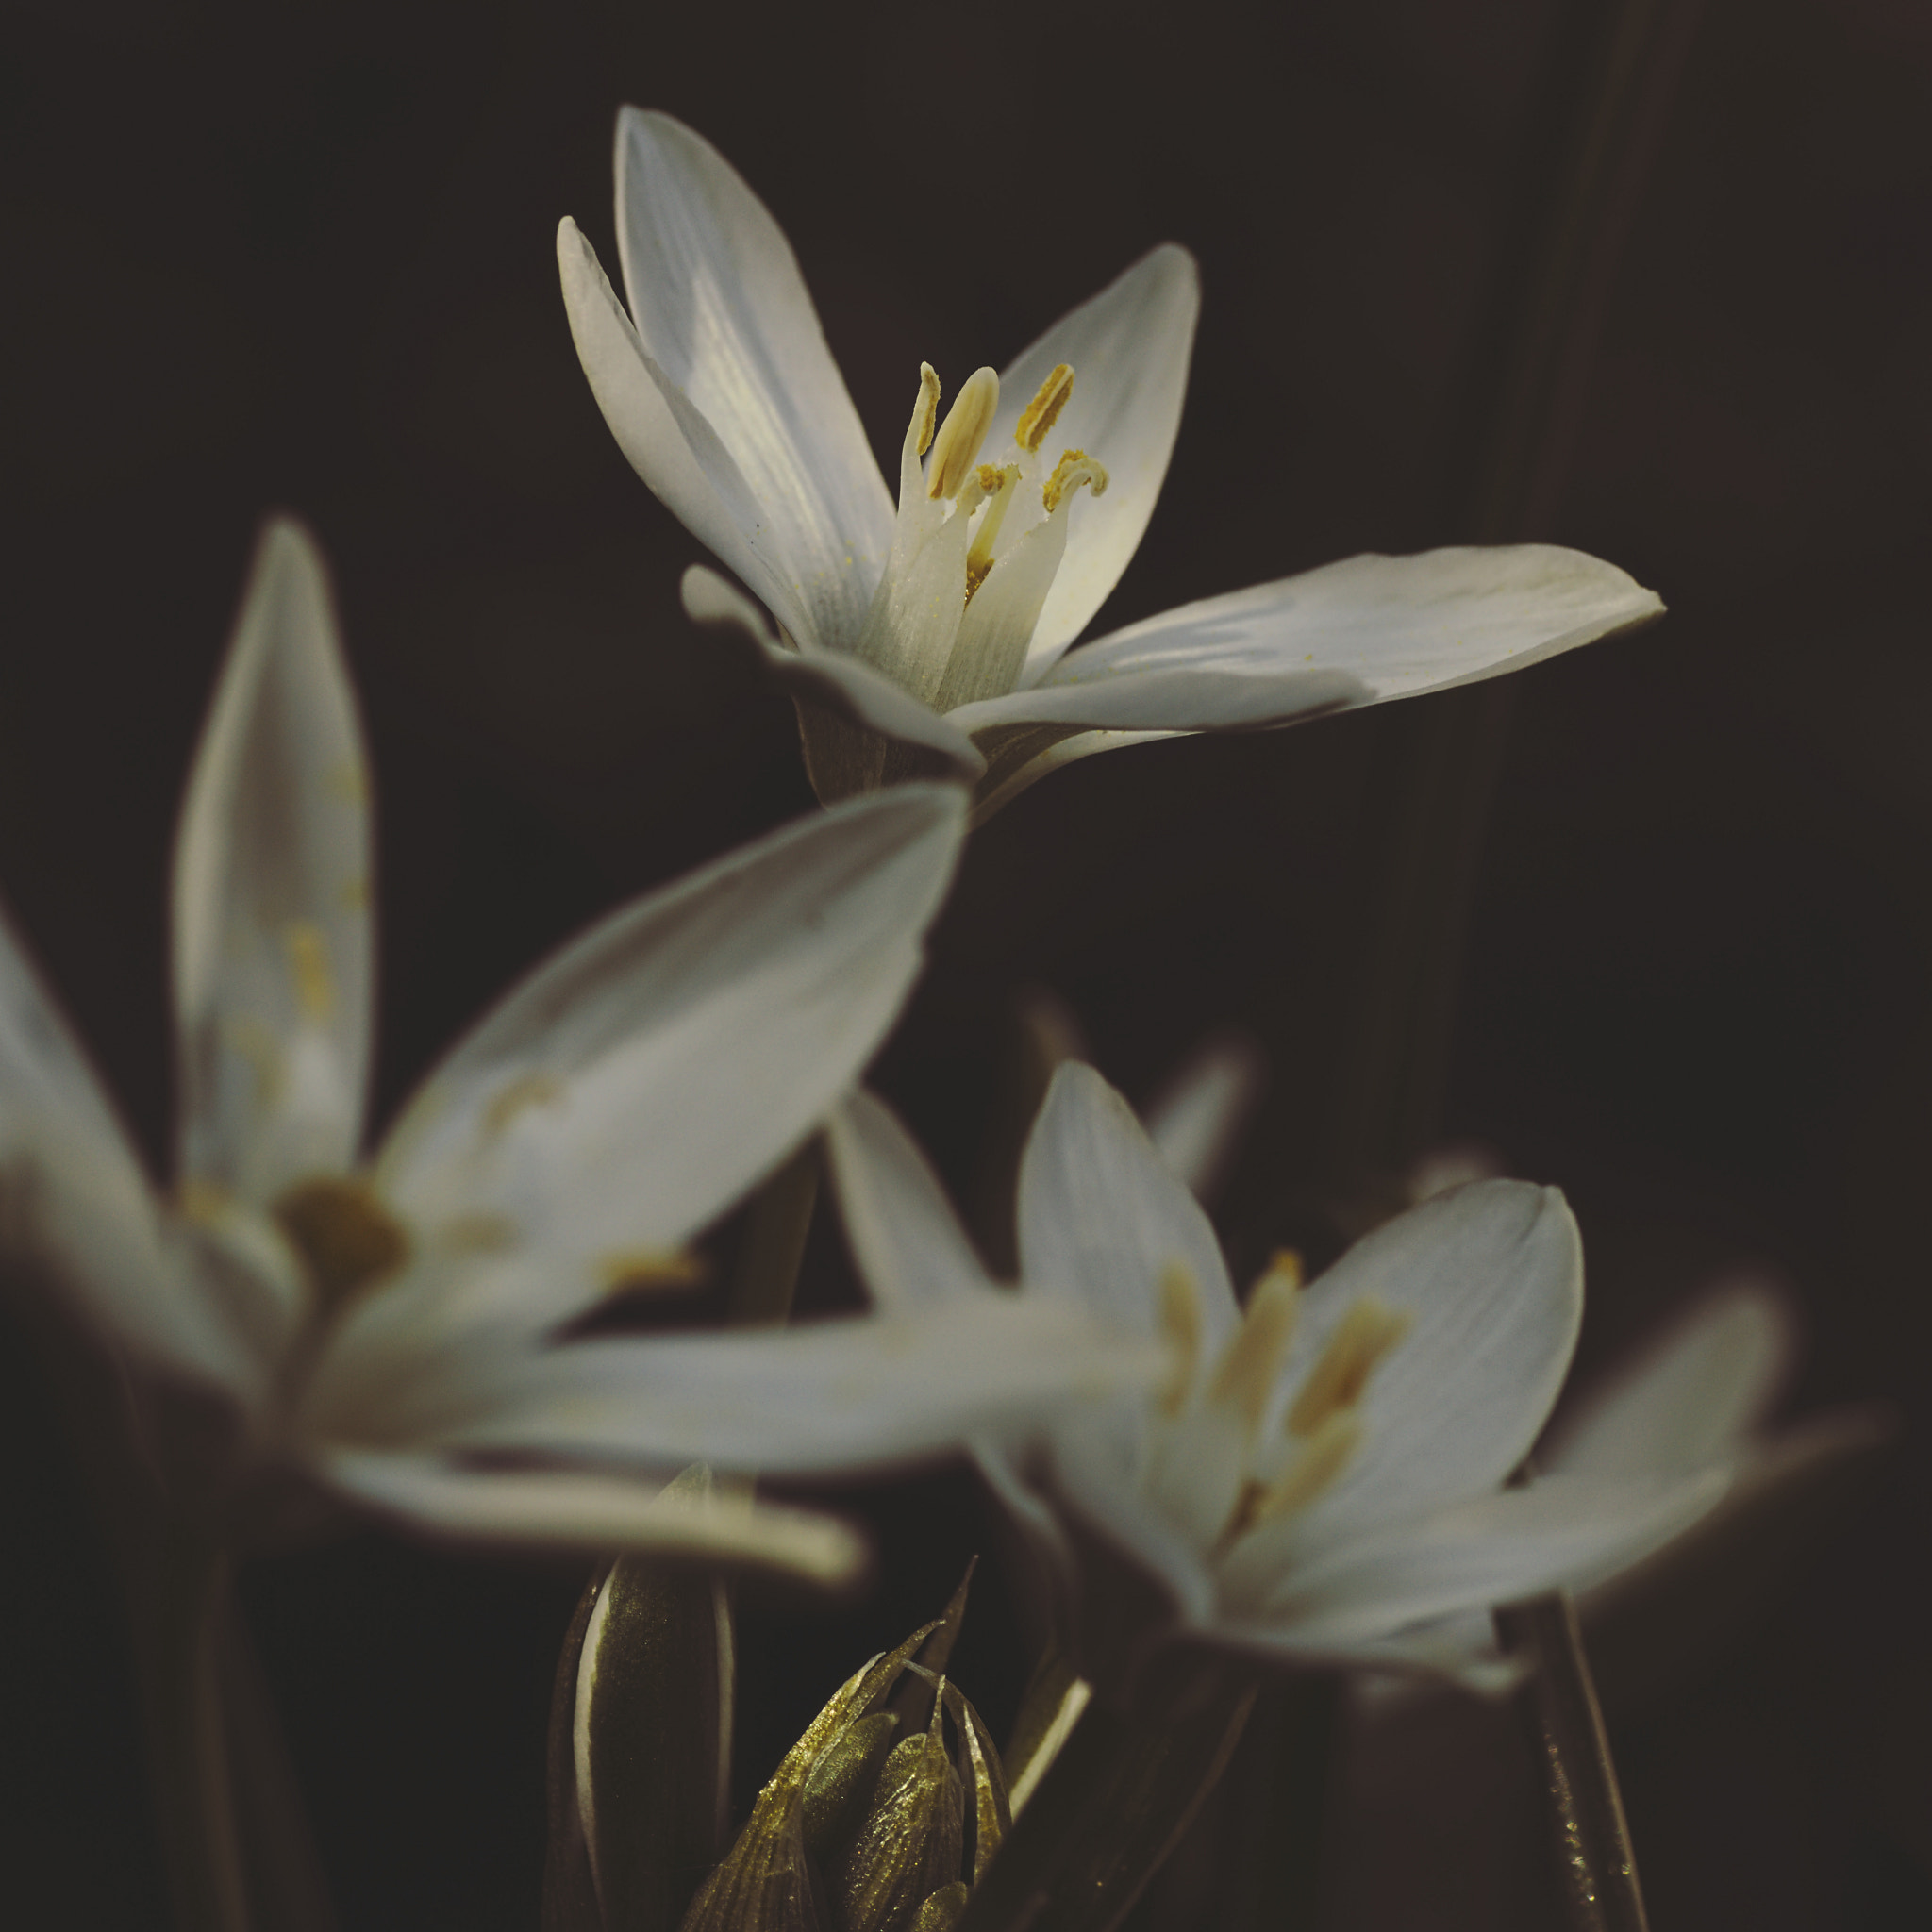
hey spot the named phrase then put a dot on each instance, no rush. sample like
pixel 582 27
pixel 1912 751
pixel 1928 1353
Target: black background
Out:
pixel 302 257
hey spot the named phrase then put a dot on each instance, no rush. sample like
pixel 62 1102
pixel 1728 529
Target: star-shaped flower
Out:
pixel 384 1331
pixel 1323 1475
pixel 943 631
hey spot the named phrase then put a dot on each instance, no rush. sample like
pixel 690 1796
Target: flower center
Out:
pixel 1216 1468
pixel 347 1239
pixel 975 546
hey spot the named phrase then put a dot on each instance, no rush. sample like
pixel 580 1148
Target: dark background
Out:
pixel 302 257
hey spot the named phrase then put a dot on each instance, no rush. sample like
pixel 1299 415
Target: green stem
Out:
pixel 765 1276
pixel 187 1750
pixel 1586 1807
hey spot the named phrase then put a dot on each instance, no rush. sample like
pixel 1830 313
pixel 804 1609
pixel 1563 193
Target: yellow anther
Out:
pixel 635 1270
pixel 956 449
pixel 925 412
pixel 1038 418
pixel 1180 1328
pixel 307 949
pixel 1284 1264
pixel 1365 1335
pixel 999 493
pixel 1245 1377
pixel 1074 468
pixel 344 1233
pixel 1322 1459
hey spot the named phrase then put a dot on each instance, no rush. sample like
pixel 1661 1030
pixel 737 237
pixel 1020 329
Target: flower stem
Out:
pixel 765 1276
pixel 1586 1809
pixel 177 1643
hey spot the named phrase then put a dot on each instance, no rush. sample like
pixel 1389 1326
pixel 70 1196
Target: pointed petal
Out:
pixel 1491 1276
pixel 637 1084
pixel 910 1249
pixel 1174 690
pixel 832 681
pixel 1398 626
pixel 1197 1120
pixel 1691 1396
pixel 1561 1531
pixel 666 437
pixel 721 308
pixel 1019 756
pixel 1102 1219
pixel 833 1395
pixel 1129 347
pixel 273 939
pixel 577 1509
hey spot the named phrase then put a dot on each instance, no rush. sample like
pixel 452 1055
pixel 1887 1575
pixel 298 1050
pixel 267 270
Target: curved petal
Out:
pixel 1197 1120
pixel 666 439
pixel 578 1509
pixel 846 686
pixel 1691 1396
pixel 1019 756
pixel 720 306
pixel 1400 626
pixel 272 938
pixel 637 1084
pixel 1492 1277
pixel 1564 1530
pixel 910 1249
pixel 830 1397
pixel 1101 1216
pixel 1129 347
pixel 1170 690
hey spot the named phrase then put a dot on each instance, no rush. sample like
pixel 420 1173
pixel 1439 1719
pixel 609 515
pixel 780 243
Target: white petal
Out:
pixel 637 1084
pixel 1102 1218
pixel 834 1395
pixel 667 439
pixel 721 310
pixel 1174 686
pixel 272 940
pixel 1129 347
pixel 577 1510
pixel 1019 756
pixel 1196 1120
pixel 910 1249
pixel 1491 1275
pixel 1399 625
pixel 1563 1530
pixel 1691 1396
pixel 842 685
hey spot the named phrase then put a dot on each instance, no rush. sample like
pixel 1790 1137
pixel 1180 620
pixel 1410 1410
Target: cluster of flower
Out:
pixel 1322 1474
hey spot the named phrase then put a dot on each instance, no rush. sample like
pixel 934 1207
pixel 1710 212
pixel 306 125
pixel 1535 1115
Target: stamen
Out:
pixel 925 411
pixel 345 1235
pixel 1366 1334
pixel 1074 468
pixel 957 448
pixel 1245 1377
pixel 1323 1457
pixel 1038 418
pixel 1180 1328
pixel 1000 493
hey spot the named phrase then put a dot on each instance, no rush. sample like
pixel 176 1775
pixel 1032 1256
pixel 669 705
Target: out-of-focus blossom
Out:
pixel 942 629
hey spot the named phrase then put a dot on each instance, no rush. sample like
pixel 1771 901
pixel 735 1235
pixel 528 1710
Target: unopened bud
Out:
pixel 909 1846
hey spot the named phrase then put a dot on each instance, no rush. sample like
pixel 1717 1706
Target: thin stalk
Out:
pixel 765 1276
pixel 1586 1809
pixel 178 1645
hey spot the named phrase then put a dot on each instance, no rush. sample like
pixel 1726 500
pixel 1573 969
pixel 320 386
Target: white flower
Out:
pixel 384 1332
pixel 946 626
pixel 1321 1476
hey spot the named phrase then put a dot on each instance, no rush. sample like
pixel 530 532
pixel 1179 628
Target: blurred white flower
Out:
pixel 384 1331
pixel 946 624
pixel 1321 1476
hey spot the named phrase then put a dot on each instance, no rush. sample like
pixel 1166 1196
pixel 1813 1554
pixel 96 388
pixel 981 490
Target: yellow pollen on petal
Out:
pixel 347 1238
pixel 634 1270
pixel 308 948
pixel 1321 1459
pixel 1038 418
pixel 925 412
pixel 1074 468
pixel 956 449
pixel 1180 1328
pixel 1244 1378
pixel 1364 1336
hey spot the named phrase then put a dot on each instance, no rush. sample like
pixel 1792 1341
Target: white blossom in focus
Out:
pixel 945 624
pixel 1322 1476
pixel 383 1331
